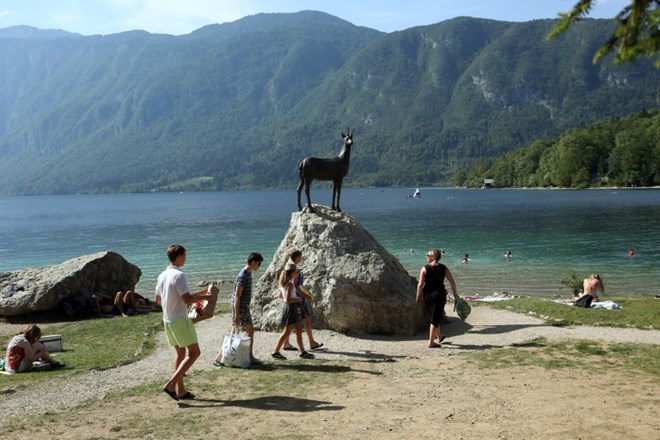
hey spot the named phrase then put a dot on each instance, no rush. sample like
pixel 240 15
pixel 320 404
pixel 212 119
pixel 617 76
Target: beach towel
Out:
pixel 494 298
pixel 609 305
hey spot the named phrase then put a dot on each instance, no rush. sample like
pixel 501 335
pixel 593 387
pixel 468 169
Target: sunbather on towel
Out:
pixel 592 287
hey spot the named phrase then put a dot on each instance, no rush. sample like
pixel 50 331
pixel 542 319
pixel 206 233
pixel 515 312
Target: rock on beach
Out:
pixel 36 290
pixel 358 286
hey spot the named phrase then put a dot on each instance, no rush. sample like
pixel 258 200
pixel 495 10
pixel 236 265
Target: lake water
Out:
pixel 551 233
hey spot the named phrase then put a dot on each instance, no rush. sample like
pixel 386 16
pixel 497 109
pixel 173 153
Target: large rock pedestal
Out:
pixel 358 286
pixel 44 288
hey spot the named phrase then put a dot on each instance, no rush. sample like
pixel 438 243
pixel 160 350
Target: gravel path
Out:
pixel 484 328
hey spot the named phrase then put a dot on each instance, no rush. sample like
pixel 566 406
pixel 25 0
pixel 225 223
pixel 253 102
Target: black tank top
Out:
pixel 435 278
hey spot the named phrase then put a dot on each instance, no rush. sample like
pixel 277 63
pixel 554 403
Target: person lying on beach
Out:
pixel 24 349
pixel 122 304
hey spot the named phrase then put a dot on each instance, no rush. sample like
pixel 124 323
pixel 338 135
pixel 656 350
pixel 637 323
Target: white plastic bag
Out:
pixel 236 350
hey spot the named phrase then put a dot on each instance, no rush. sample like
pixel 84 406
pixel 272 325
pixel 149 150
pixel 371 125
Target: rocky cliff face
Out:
pixel 358 286
pixel 42 289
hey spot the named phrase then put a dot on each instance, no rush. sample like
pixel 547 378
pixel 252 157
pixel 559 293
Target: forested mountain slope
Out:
pixel 238 105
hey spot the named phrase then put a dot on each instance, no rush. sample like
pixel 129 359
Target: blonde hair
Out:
pixel 286 273
pixel 32 333
pixel 599 282
pixel 437 253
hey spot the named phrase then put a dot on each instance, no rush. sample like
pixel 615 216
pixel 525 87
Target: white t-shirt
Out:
pixel 294 292
pixel 171 285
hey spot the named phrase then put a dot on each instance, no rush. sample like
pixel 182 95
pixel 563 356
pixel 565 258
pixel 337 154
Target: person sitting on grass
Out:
pixel 24 349
pixel 592 287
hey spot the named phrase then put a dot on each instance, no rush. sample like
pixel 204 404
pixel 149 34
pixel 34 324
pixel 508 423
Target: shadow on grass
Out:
pixel 450 326
pixel 455 327
pixel 51 317
pixel 474 347
pixel 479 347
pixel 313 367
pixel 366 355
pixel 277 403
pixel 499 329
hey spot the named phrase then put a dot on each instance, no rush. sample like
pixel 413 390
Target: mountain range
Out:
pixel 239 105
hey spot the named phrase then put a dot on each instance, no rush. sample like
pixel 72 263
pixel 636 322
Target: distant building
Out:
pixel 488 183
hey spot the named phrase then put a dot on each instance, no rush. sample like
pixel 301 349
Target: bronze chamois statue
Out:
pixel 331 168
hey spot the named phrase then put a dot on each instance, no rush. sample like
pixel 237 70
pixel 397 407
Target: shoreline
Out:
pixel 411 187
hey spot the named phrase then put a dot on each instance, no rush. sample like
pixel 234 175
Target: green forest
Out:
pixel 616 152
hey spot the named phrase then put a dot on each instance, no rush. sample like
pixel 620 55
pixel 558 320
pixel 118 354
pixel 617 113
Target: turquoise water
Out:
pixel 550 232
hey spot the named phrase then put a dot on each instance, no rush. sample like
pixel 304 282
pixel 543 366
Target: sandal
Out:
pixel 290 348
pixel 278 355
pixel 317 346
pixel 306 355
pixel 57 365
pixel 172 393
pixel 217 364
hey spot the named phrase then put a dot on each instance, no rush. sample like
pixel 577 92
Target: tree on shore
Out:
pixel 637 33
pixel 614 152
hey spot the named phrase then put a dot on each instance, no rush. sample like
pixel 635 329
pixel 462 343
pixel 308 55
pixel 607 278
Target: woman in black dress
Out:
pixel 431 288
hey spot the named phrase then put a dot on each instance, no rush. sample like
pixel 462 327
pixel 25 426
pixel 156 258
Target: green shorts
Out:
pixel 180 333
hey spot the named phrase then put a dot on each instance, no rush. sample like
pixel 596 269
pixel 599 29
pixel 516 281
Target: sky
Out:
pixel 178 17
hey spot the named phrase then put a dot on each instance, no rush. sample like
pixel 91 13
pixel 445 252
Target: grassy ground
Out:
pixel 639 312
pixel 105 343
pixel 575 354
pixel 99 344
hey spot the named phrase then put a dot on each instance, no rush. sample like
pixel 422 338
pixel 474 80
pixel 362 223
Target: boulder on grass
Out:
pixel 42 289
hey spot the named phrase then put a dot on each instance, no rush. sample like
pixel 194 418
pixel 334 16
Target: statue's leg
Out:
pixel 334 196
pixel 309 203
pixel 300 186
